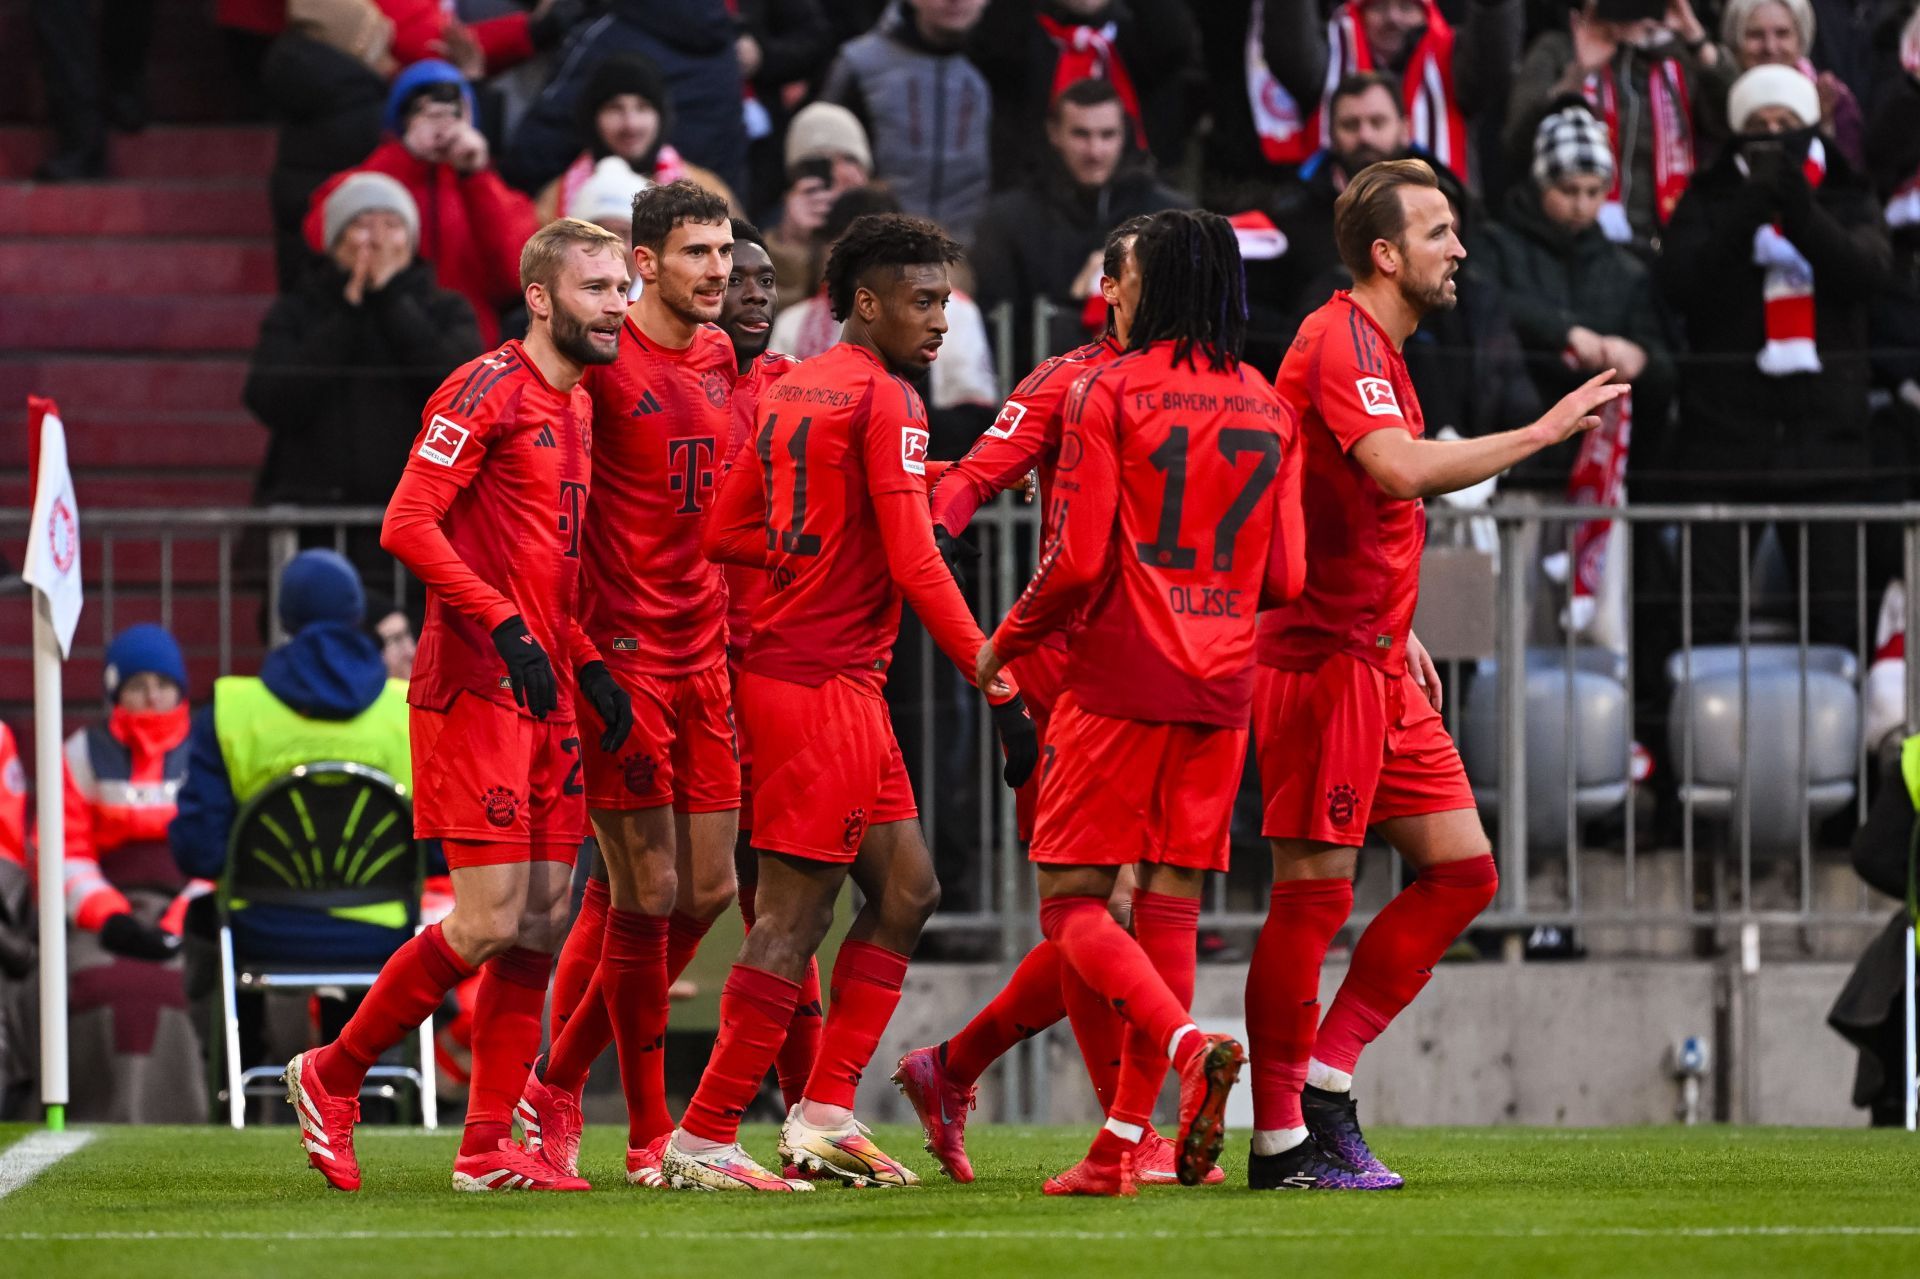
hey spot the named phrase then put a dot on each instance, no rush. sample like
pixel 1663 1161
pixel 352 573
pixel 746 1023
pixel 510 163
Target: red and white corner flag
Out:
pixel 53 569
pixel 53 543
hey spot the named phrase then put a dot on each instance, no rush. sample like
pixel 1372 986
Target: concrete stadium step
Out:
pixel 134 323
pixel 158 439
pixel 161 209
pixel 93 265
pixel 163 152
pixel 195 622
pixel 86 384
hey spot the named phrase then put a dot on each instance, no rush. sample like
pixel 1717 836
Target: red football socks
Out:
pixel 1113 964
pixel 684 933
pixel 407 992
pixel 579 956
pixel 633 983
pixel 755 1007
pixel 1283 992
pixel 794 1063
pixel 866 989
pixel 1395 956
pixel 1100 1032
pixel 1166 928
pixel 506 1039
pixel 1030 1002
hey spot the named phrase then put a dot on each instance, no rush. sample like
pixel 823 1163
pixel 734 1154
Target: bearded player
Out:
pixel 1177 516
pixel 752 294
pixel 940 1081
pixel 1347 722
pixel 488 513
pixel 664 806
pixel 831 502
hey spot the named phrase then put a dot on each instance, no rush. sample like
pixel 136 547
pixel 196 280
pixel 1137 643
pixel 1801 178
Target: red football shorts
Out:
pixel 484 773
pixel 681 750
pixel 1116 791
pixel 1347 745
pixel 826 765
pixel 1041 675
pixel 745 747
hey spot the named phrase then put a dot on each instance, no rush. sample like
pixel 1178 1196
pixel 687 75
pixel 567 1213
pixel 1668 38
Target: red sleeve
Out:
pixel 13 801
pixel 1352 384
pixel 445 459
pixel 416 25
pixel 1287 557
pixel 1007 450
pixel 1084 507
pixel 506 41
pixel 917 569
pixel 504 220
pixel 736 528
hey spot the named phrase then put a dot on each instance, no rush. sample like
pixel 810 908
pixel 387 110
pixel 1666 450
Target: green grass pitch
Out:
pixel 147 1203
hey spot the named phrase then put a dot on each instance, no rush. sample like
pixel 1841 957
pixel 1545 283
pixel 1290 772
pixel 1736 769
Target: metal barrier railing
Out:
pixel 1709 866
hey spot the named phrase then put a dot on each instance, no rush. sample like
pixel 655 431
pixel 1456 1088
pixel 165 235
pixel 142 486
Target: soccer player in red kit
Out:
pixel 664 805
pixel 1025 438
pixel 1347 723
pixel 488 514
pixel 831 502
pixel 752 294
pixel 1177 516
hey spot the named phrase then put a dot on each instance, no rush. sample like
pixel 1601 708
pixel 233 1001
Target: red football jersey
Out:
pixel 1344 380
pixel 746 586
pixel 1179 516
pixel 838 520
pixel 661 421
pixel 488 515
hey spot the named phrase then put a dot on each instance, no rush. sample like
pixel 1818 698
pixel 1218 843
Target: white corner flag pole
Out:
pixel 53 569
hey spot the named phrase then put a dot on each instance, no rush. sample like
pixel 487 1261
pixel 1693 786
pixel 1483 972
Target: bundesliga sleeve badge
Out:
pixel 913 450
pixel 1376 397
pixel 445 438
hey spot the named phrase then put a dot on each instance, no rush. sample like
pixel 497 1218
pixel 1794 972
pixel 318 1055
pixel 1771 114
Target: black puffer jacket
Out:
pixel 1554 280
pixel 329 105
pixel 1735 421
pixel 339 387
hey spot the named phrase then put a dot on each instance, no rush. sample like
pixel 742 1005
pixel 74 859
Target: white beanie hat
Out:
pixel 362 193
pixel 1772 86
pixel 607 196
pixel 826 129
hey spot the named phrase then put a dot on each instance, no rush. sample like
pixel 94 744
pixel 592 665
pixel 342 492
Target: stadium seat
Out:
pixel 1709 705
pixel 326 837
pixel 1596 726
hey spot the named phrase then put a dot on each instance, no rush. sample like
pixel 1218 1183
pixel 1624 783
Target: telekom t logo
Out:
pixel 690 471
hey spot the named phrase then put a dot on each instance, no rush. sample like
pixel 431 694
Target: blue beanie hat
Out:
pixel 320 586
pixel 423 75
pixel 143 649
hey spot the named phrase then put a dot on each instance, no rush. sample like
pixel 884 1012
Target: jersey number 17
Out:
pixel 1170 459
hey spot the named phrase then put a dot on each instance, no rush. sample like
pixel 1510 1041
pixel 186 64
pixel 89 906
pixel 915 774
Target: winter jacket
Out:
pixel 1538 84
pixel 120 780
pixel 691 41
pixel 472 228
pixel 1555 280
pixel 1034 241
pixel 927 113
pixel 1734 420
pixel 1155 40
pixel 419 25
pixel 339 387
pixel 329 104
pixel 329 671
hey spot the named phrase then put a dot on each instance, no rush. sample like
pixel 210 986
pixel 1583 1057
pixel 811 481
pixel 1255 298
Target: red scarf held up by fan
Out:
pixel 1087 53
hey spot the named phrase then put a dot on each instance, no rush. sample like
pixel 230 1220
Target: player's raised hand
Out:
pixel 1579 409
pixel 610 702
pixel 960 555
pixel 1019 740
pixel 528 670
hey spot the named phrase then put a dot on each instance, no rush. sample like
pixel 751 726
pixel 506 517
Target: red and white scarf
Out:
pixel 1673 158
pixel 1087 53
pixel 1787 287
pixel 1598 478
pixel 667 167
pixel 1289 136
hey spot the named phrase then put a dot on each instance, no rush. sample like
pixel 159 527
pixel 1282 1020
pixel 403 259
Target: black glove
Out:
pixel 1019 740
pixel 528 669
pixel 610 702
pixel 959 555
pixel 125 935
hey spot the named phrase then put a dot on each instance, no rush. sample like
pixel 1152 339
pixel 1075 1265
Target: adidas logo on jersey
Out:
pixel 645 405
pixel 544 440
